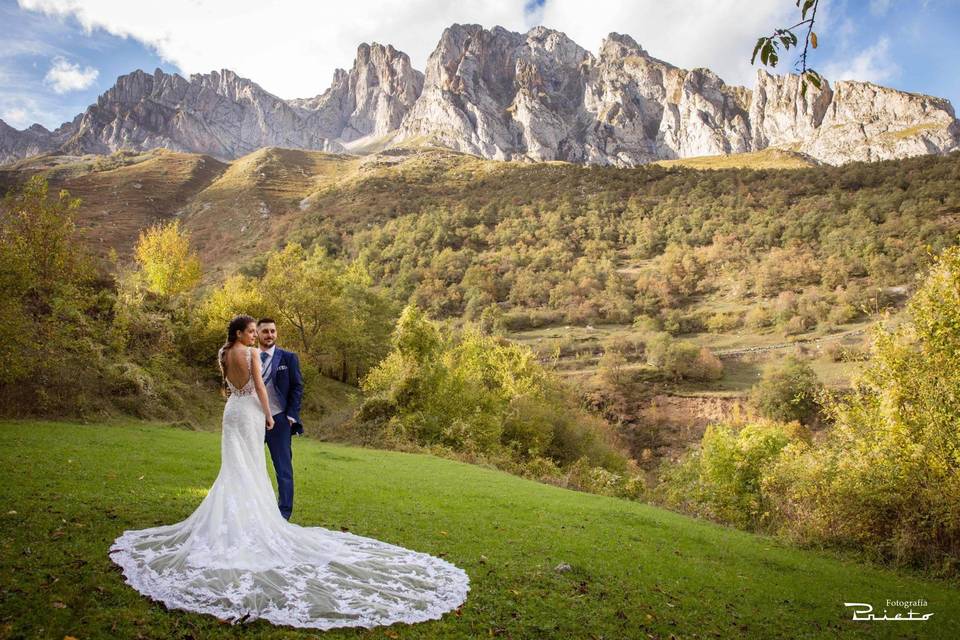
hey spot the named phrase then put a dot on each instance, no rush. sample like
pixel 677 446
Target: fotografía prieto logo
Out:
pixel 863 611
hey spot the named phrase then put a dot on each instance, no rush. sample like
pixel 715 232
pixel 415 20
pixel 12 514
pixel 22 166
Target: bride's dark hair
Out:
pixel 239 323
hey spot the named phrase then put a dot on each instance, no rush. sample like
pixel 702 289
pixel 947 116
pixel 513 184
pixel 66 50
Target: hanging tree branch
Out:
pixel 768 46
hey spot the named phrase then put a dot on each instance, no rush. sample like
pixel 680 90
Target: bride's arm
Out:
pixel 261 390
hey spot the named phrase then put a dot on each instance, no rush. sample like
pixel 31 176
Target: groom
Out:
pixel 281 376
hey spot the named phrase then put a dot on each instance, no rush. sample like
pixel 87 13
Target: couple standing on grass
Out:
pixel 283 382
pixel 239 558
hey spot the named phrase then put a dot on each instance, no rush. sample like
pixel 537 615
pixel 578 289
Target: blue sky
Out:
pixel 57 56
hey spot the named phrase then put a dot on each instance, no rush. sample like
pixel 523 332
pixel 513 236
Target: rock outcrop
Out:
pixel 220 114
pixel 539 96
pixel 370 100
pixel 32 141
pixel 504 95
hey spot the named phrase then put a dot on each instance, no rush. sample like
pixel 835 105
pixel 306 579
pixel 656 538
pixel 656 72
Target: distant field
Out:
pixel 636 571
pixel 743 352
pixel 766 159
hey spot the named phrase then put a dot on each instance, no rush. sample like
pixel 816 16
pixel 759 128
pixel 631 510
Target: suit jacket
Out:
pixel 285 375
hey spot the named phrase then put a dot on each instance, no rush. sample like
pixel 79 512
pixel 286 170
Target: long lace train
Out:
pixel 237 558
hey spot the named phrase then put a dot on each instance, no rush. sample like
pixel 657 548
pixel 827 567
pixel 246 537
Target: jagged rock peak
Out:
pixel 370 100
pixel 620 45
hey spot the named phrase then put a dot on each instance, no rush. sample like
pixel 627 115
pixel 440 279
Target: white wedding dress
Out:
pixel 237 558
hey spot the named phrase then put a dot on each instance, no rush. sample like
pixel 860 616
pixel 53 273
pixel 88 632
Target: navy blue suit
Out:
pixel 284 374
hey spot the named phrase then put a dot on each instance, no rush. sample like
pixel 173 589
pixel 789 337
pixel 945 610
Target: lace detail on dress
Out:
pixel 237 558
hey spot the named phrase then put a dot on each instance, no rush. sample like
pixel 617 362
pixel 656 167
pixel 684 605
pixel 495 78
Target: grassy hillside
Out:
pixel 767 159
pixel 256 204
pixel 123 193
pixel 637 571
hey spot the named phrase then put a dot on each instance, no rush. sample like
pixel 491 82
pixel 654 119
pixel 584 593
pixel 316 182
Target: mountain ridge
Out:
pixel 504 95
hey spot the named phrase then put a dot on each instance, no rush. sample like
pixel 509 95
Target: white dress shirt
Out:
pixel 275 405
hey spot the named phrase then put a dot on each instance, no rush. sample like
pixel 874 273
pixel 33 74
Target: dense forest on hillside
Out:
pixel 559 243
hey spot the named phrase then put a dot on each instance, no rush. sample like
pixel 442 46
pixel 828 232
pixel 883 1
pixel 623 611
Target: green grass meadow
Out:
pixel 637 571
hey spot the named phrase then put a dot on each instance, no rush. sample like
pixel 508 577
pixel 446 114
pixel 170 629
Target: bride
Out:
pixel 236 557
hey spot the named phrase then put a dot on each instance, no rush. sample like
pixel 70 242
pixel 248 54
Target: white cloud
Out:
pixel 689 34
pixel 16 117
pixel 289 48
pixel 22 110
pixel 873 64
pixel 292 48
pixel 65 76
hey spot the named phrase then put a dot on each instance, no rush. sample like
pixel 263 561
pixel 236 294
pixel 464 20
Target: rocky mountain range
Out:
pixel 505 95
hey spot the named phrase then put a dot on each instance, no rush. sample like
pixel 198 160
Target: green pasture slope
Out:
pixel 637 572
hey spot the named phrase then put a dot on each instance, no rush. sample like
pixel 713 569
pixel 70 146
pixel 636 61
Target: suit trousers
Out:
pixel 278 440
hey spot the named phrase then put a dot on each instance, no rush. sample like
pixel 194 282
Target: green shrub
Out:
pixel 722 480
pixel 721 322
pixel 787 391
pixel 758 317
pixel 611 368
pixel 681 359
pixel 480 394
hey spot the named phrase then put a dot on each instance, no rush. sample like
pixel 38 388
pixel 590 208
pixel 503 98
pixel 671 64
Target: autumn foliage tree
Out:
pixel 48 302
pixel 167 264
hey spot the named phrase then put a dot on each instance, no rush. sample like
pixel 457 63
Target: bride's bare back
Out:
pixel 238 366
pixel 237 362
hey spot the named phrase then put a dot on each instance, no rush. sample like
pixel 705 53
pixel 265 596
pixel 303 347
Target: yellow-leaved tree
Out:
pixel 887 479
pixel 167 265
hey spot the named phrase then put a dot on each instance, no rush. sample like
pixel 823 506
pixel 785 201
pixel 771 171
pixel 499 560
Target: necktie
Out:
pixel 263 358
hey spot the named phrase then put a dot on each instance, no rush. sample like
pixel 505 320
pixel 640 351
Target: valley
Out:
pixel 481 229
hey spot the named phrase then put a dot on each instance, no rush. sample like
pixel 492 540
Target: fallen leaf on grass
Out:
pixel 56 604
pixel 44 585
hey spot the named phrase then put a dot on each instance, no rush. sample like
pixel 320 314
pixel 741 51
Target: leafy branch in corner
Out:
pixel 767 47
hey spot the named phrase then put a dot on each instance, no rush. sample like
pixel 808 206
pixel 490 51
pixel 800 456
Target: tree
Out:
pixel 167 266
pixel 364 335
pixel 335 316
pixel 767 46
pixel 304 290
pixel 611 368
pixel 48 284
pixel 788 391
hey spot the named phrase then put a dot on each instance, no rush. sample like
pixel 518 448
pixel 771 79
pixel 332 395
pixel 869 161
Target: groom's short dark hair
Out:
pixel 265 321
